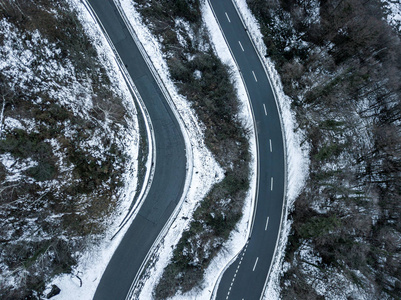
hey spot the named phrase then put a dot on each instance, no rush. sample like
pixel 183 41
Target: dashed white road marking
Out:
pixel 241 45
pixel 271 148
pixel 271 183
pixel 267 223
pixel 236 271
pixel 254 76
pixel 264 107
pixel 228 18
pixel 256 262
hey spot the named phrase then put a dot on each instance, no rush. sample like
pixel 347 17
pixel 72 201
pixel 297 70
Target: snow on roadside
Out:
pixel 202 178
pixel 297 156
pixel 239 236
pixel 93 262
pixel 296 159
pixel 206 171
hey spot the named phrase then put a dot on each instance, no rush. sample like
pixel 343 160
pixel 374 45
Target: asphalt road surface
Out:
pixel 246 277
pixel 170 166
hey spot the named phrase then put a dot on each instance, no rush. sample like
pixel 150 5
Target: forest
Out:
pixel 340 62
pixel 64 134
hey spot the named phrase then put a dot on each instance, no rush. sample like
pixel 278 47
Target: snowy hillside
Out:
pixel 68 143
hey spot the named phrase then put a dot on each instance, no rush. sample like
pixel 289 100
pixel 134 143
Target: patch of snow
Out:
pixel 393 10
pixel 297 156
pixel 314 11
pixel 15 167
pixel 93 262
pixel 2 116
pixel 330 283
pixel 206 171
pixel 12 123
pixel 22 68
pixel 95 145
pixel 181 40
pixel 183 27
pixel 240 234
pixel 197 74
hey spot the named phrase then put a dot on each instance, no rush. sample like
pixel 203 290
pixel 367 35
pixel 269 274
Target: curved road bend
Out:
pixel 245 278
pixel 170 168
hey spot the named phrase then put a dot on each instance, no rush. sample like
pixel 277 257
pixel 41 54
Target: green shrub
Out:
pixel 319 226
pixel 45 170
pixel 329 151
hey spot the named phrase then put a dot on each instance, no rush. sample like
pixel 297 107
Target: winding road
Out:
pixel 246 277
pixel 170 164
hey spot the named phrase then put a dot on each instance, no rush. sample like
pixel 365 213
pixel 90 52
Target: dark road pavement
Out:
pixel 170 165
pixel 246 277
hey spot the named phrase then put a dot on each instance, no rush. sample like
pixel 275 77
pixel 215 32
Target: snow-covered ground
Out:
pixel 31 64
pixel 322 282
pixel 82 282
pixel 296 159
pixel 206 172
pixel 393 11
pixel 198 189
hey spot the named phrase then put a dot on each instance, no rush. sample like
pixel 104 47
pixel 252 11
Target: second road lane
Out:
pixel 246 277
pixel 170 166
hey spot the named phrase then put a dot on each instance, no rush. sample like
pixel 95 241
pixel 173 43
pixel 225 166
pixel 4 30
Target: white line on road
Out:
pixel 236 271
pixel 264 107
pixel 271 184
pixel 256 262
pixel 241 45
pixel 267 223
pixel 228 18
pixel 254 76
pixel 271 148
